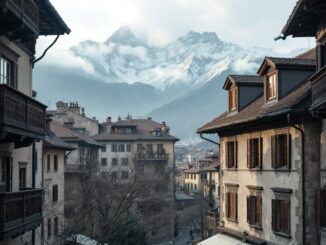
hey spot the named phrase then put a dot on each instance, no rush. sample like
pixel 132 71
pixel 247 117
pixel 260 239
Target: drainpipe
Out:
pixel 290 122
pixel 202 137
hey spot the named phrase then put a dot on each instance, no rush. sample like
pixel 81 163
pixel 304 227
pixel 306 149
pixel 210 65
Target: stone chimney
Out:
pixel 108 120
pixel 61 107
pixel 94 119
pixel 74 107
pixel 165 128
pixel 149 118
pixel 69 123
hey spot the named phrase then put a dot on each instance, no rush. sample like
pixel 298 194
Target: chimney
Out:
pixel 61 106
pixel 69 123
pixel 74 107
pixel 94 118
pixel 108 120
pixel 83 112
pixel 149 118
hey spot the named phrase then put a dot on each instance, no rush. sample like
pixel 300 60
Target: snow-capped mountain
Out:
pixel 127 75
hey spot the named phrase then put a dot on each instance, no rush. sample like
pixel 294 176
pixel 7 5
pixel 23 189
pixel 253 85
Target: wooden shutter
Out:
pixel 286 219
pixel 227 154
pixel 248 153
pixel 236 205
pixel 236 154
pixel 318 55
pixel 248 209
pixel 273 151
pixel 227 199
pixel 261 151
pixel 288 151
pixel 318 207
pixel 259 210
pixel 273 215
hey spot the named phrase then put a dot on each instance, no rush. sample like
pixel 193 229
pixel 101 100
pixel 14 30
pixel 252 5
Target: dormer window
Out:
pixel 271 86
pixel 232 100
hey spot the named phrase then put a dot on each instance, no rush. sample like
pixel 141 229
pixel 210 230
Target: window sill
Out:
pixel 232 220
pixel 257 227
pixel 282 234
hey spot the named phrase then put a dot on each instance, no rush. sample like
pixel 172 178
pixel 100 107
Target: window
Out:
pixel 114 161
pixel 128 147
pixel 55 193
pixel 22 177
pixel 160 149
pixel 281 150
pixel 321 56
pixel 254 210
pixel 255 153
pixel 114 147
pixel 321 207
pixel 124 161
pixel 121 148
pixel 149 149
pixel 195 176
pixel 114 175
pixel 203 176
pixel 103 161
pixel 231 206
pixel 281 216
pixel 48 163
pixel 232 99
pixel 195 187
pixel 56 226
pixel 124 175
pixel 7 72
pixel 55 163
pixel 271 86
pixel 49 228
pixel 231 154
pixel 103 148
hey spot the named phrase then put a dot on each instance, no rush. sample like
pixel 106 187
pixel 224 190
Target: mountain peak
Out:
pixel 124 36
pixel 196 37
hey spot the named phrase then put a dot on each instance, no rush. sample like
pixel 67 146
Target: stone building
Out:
pixel 146 148
pixel 54 154
pixel 22 118
pixel 308 20
pixel 268 158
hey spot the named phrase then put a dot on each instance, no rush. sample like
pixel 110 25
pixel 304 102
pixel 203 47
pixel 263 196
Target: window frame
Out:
pixel 104 161
pixel 114 162
pixel 55 163
pixel 281 150
pixel 114 147
pixel 55 193
pixel 255 153
pixel 12 57
pixel 233 99
pixel 233 153
pixel 231 206
pixel 254 211
pixel 269 96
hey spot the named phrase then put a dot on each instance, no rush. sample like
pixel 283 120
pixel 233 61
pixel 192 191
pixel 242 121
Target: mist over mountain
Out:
pixel 179 83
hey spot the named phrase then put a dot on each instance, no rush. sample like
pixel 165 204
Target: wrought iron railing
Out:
pixel 152 156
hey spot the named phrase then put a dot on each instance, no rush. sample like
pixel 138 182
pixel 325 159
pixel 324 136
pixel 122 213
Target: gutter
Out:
pixel 291 123
pixel 211 141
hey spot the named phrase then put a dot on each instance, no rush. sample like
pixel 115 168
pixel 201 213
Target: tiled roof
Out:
pixel 257 110
pixel 143 131
pixel 243 79
pixel 194 170
pixel 292 61
pixel 52 141
pixel 71 135
pixel 310 54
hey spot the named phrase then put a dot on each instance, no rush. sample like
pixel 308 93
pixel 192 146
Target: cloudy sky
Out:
pixel 245 22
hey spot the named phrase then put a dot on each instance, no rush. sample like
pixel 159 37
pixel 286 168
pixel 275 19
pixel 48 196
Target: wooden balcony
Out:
pixel 20 17
pixel 152 156
pixel 319 93
pixel 22 119
pixel 20 212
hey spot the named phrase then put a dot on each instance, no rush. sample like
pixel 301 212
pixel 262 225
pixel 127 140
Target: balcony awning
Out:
pixel 222 239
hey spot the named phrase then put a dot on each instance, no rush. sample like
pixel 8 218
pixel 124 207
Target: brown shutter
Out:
pixel 259 209
pixel 261 152
pixel 236 206
pixel 318 55
pixel 286 212
pixel 288 151
pixel 236 154
pixel 226 155
pixel 273 215
pixel 318 207
pixel 227 199
pixel 248 209
pixel 248 153
pixel 273 151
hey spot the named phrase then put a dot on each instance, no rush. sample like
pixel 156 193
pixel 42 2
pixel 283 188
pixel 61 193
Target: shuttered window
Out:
pixel 255 153
pixel 231 206
pixel 281 216
pixel 254 210
pixel 231 154
pixel 321 207
pixel 281 150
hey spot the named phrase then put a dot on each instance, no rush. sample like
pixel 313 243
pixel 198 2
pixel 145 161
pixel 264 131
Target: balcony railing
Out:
pixel 20 114
pixel 319 91
pixel 213 218
pixel 152 156
pixel 20 212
